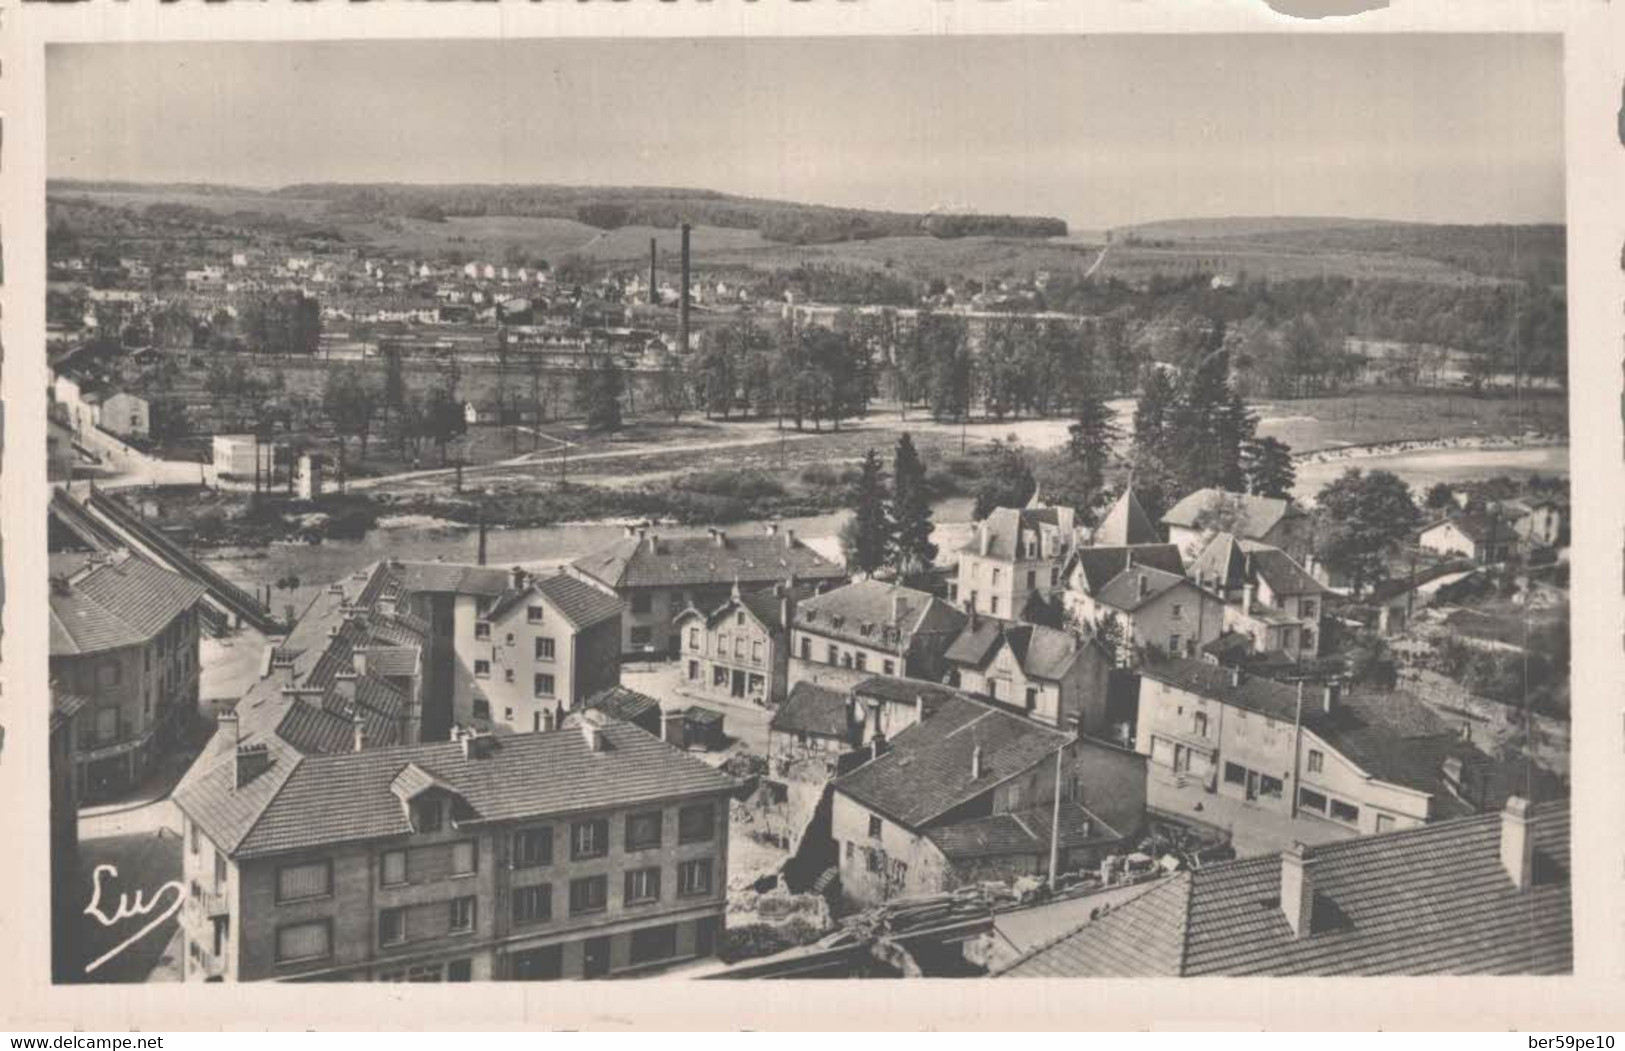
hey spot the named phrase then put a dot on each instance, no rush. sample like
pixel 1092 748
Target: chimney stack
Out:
pixel 899 609
pixel 1235 676
pixel 789 539
pixel 482 535
pixel 919 708
pixel 519 577
pixel 1145 585
pixel 1517 845
pixel 877 745
pixel 1298 890
pixel 592 730
pixel 252 761
pixel 671 727
pixel 360 730
pixel 682 314
pixel 976 763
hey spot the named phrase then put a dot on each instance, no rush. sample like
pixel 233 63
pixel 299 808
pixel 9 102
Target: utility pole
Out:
pixel 1297 749
pixel 1055 824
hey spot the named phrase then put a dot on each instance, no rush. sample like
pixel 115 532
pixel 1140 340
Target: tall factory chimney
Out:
pixel 682 316
pixel 654 293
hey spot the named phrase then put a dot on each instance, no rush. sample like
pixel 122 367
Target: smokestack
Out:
pixel 1145 585
pixel 1517 846
pixel 654 295
pixel 682 316
pixel 1298 890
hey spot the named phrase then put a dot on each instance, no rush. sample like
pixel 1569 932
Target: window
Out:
pixel 739 646
pixel 694 877
pixel 1032 578
pixel 507 676
pixel 719 675
pixel 304 941
pixel 392 926
pixel 1174 645
pixel 874 827
pixel 534 614
pixel 1201 724
pixel 756 650
pixel 1317 761
pixel 654 943
pixel 589 839
pixel 393 870
pixel 533 848
pixel 996 576
pixel 482 631
pixel 642 636
pixel 544 684
pixel 1306 608
pixel 429 818
pixel 192 838
pixel 1342 811
pixel 509 639
pixel 533 904
pixel 460 915
pixel 1235 774
pixel 834 654
pixel 482 669
pixel 219 870
pixel 464 858
pixel 693 638
pixel 1385 822
pixel 1054 577
pixel 643 830
pixel 642 885
pixel 861 660
pixel 544 648
pixel 545 964
pixel 693 671
pixel 642 602
pixel 108 673
pixel 697 823
pixel 889 667
pixel 806 648
pixel 422 972
pixel 993 605
pixel 1178 610
pixel 1311 800
pixel 1032 698
pixel 589 894
pixel 850 847
pixel 302 882
pixel 1269 787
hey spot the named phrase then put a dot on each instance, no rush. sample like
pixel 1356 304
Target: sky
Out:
pixel 1100 131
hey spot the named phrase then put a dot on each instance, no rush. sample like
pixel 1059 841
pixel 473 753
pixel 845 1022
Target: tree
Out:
pixel 442 419
pixel 1093 432
pixel 598 395
pixel 1362 517
pixel 349 402
pixel 1008 480
pixel 394 391
pixel 1267 463
pixel 1151 412
pixel 1440 496
pixel 671 393
pixel 911 526
pixel 866 537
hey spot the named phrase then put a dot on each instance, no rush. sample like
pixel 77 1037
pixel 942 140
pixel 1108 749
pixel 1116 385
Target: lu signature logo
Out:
pixel 127 907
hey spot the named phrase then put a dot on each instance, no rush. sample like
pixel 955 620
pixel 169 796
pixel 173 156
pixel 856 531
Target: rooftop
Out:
pixel 1254 516
pixel 1126 523
pixel 655 561
pixel 1431 900
pixel 109 605
pixel 1043 653
pixel 1100 564
pixel 812 709
pixel 878 614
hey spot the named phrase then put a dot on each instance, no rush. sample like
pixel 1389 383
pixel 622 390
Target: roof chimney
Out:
pixel 592 729
pixel 877 745
pixel 360 731
pixel 1517 845
pixel 789 538
pixel 519 578
pixel 1145 585
pixel 1235 676
pixel 252 761
pixel 976 763
pixel 899 608
pixel 671 727
pixel 919 707
pixel 1298 890
pixel 771 529
pixel 1331 695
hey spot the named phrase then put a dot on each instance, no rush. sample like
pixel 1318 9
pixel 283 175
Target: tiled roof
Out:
pixel 894 690
pixel 1429 900
pixel 1024 832
pixel 1255 515
pixel 348 797
pixel 1002 530
pixel 752 560
pixel 618 702
pixel 864 612
pixel 1043 653
pixel 812 709
pixel 1278 569
pixel 1222 565
pixel 581 603
pixel 1101 564
pixel 64 706
pixel 1124 592
pixel 1253 692
pixel 927 770
pixel 120 603
pixel 450 577
pixel 1480 529
pixel 766 604
pixel 1126 523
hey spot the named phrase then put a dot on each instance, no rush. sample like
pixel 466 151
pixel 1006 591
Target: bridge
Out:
pixel 104 522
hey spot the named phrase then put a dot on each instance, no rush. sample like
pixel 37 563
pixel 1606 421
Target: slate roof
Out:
pixel 765 604
pixel 1429 900
pixel 320 800
pixel 871 603
pixel 1101 564
pixel 1043 653
pixel 812 709
pixel 450 577
pixel 1252 692
pixel 618 702
pixel 1122 592
pixel 926 772
pixel 124 602
pixel 1022 832
pixel 1003 527
pixel 1256 515
pixel 634 562
pixel 1222 565
pixel 577 601
pixel 894 690
pixel 1278 569
pixel 1126 523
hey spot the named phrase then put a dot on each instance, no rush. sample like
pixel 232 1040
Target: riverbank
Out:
pixel 1400 446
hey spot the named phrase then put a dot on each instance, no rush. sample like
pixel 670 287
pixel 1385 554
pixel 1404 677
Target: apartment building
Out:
pixel 1014 556
pixel 586 852
pixel 741 649
pixel 124 636
pixel 657 578
pixel 841 637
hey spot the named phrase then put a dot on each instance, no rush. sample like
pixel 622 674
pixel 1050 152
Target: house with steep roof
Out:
pixel 1483 895
pixel 1125 523
pixel 1269 599
pixel 841 637
pixel 124 637
pixel 974 792
pixel 1142 608
pixel 1484 538
pixel 740 650
pixel 1014 556
pixel 1281 523
pixel 1538 521
pixel 1054 676
pixel 523 654
pixel 1364 763
pixel 656 578
pixel 586 852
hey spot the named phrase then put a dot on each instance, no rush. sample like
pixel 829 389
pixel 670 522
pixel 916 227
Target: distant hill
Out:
pixel 613 207
pixel 1242 226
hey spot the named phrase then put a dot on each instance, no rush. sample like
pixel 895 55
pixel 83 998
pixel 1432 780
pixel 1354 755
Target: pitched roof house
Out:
pixel 1055 676
pixel 1485 895
pixel 1126 523
pixel 1266 519
pixel 843 636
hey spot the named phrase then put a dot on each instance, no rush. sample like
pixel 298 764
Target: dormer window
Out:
pixel 428 815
